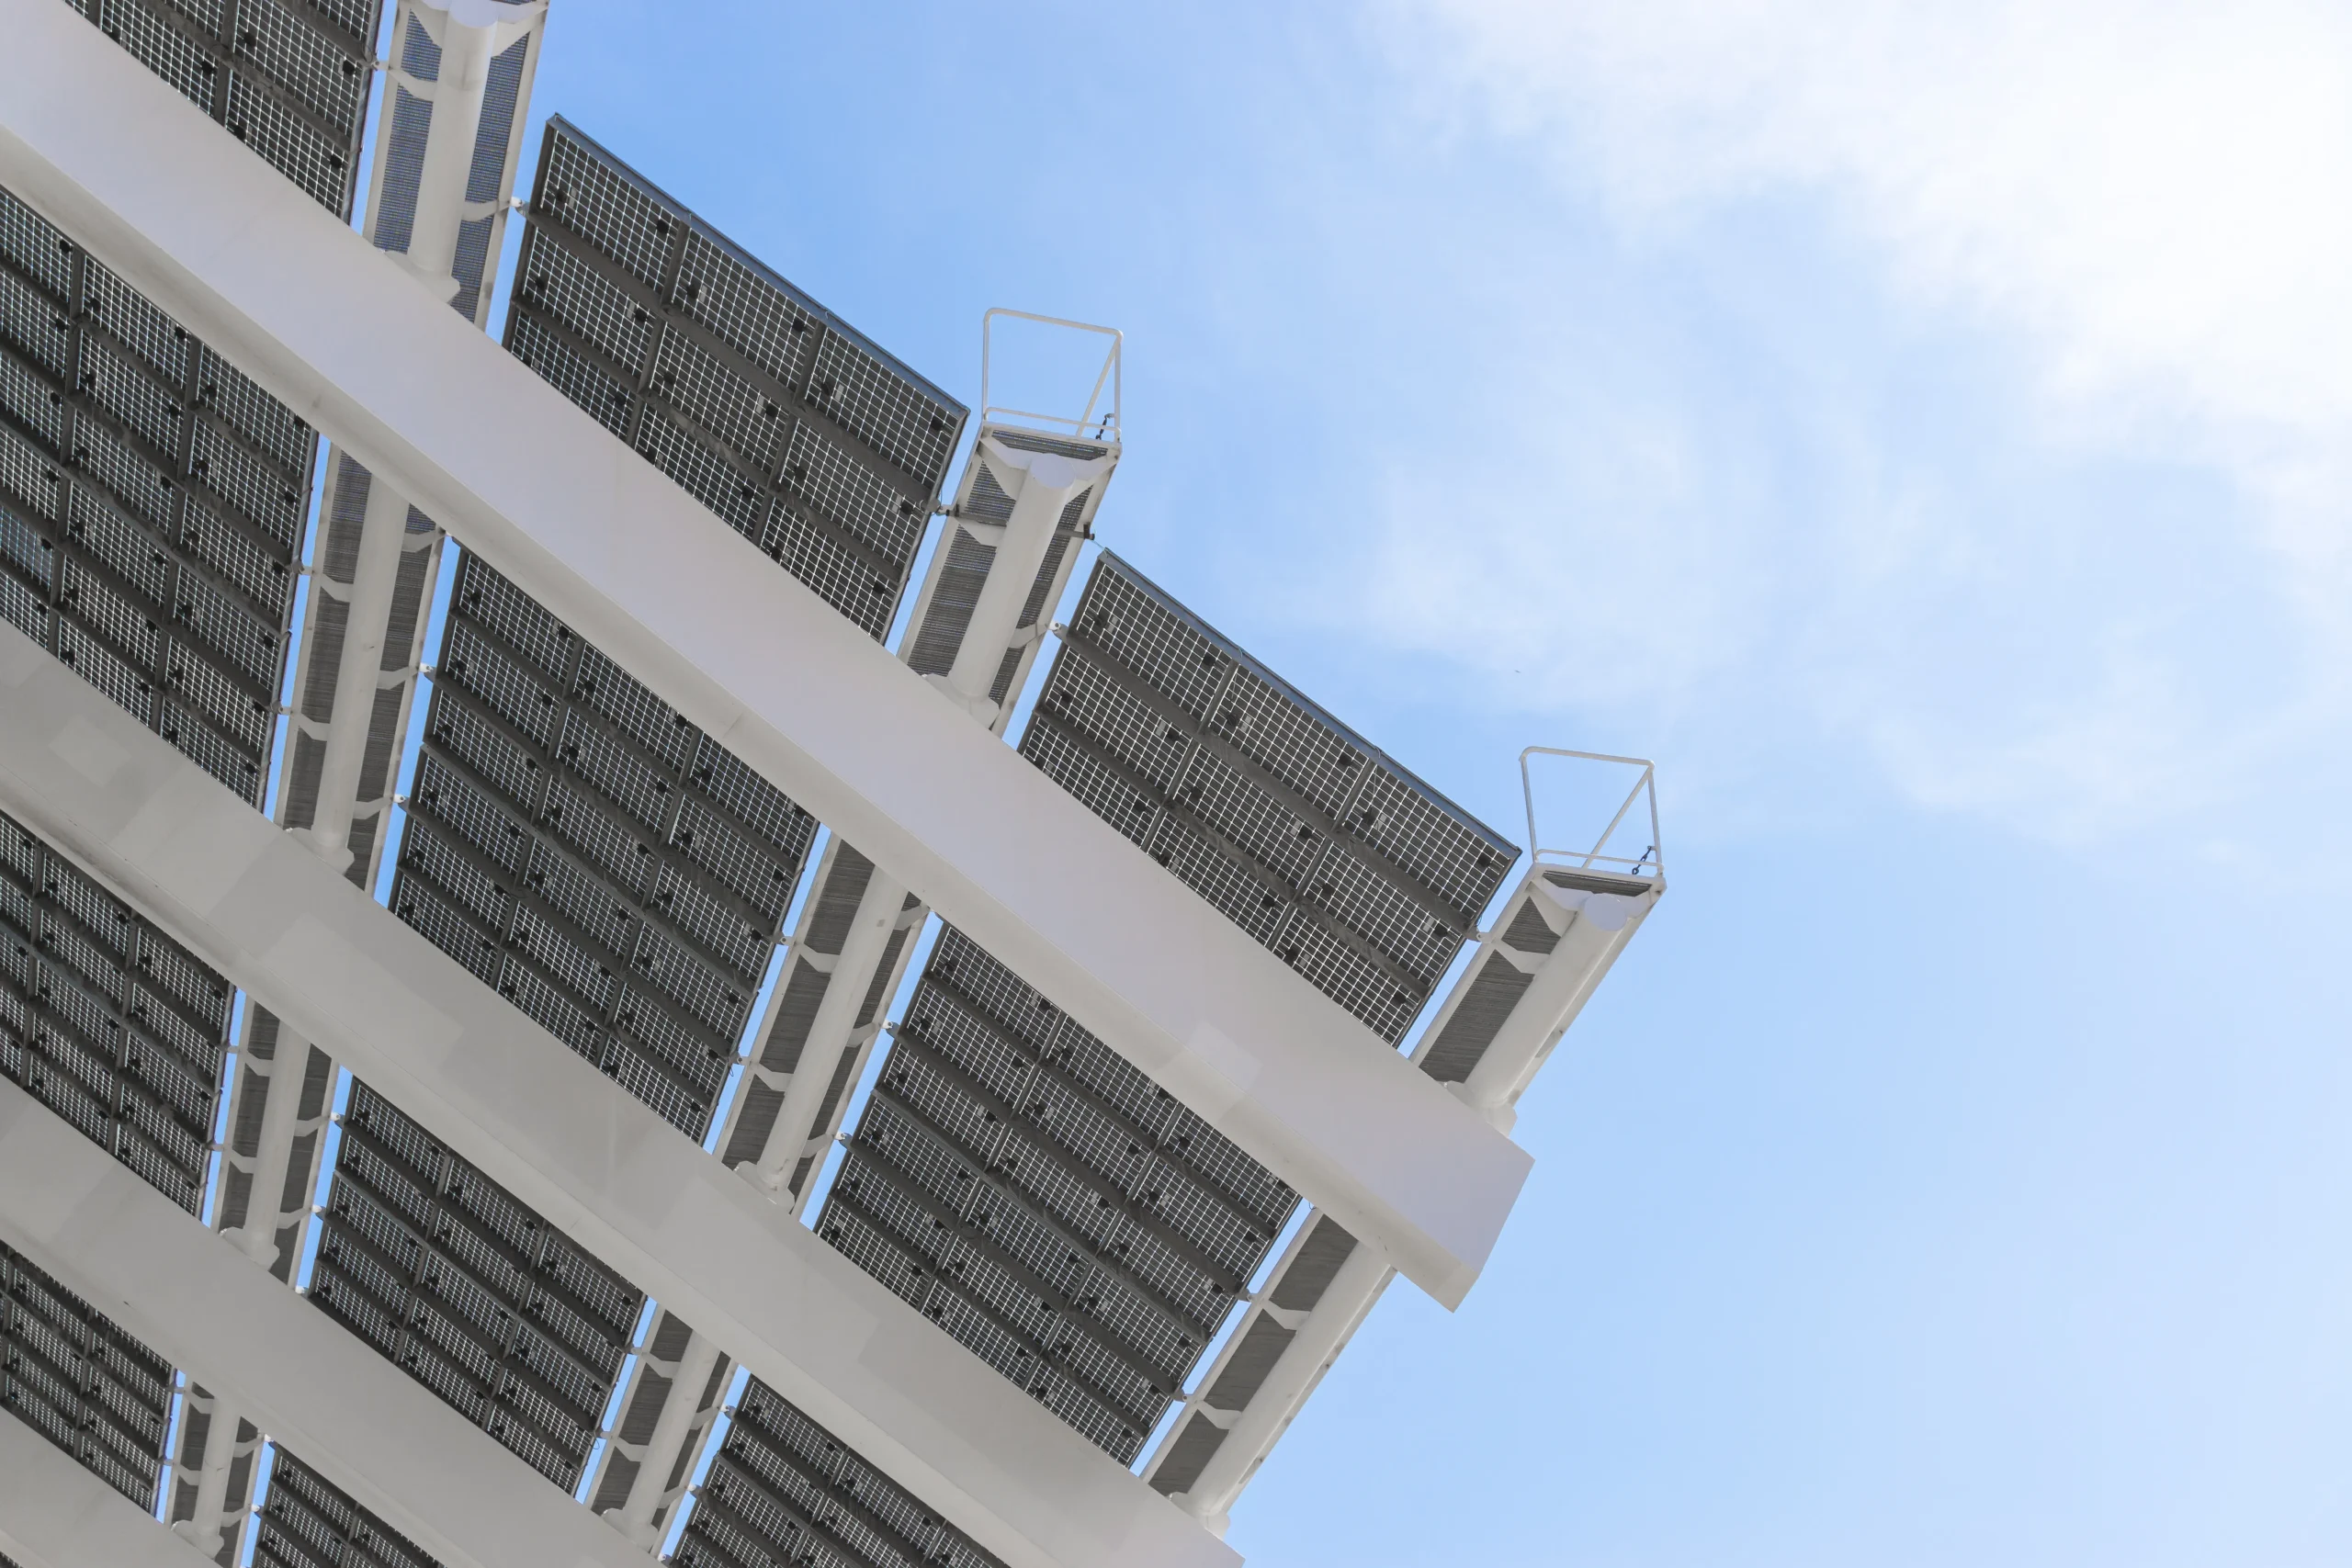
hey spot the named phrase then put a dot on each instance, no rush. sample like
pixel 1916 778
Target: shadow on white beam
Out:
pixel 305 306
pixel 545 1124
pixel 297 1374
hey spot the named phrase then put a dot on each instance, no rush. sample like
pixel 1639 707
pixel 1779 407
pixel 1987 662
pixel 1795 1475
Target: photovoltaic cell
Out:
pixel 475 1296
pixel 71 1375
pixel 606 865
pixel 1298 830
pixel 807 438
pixel 308 1522
pixel 106 1020
pixel 152 501
pixel 782 1489
pixel 289 78
pixel 1049 1205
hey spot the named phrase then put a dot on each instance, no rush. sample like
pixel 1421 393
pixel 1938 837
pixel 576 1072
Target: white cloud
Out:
pixel 2146 207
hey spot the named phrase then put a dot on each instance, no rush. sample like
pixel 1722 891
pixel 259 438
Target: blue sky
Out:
pixel 1921 429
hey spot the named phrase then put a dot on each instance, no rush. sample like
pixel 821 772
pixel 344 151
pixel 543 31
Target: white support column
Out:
pixel 384 1438
pixel 366 623
pixel 54 1514
pixel 282 1124
pixel 1592 928
pixel 207 1528
pixel 743 650
pixel 1317 1337
pixel 540 1121
pixel 851 977
pixel 635 1518
pixel 1041 484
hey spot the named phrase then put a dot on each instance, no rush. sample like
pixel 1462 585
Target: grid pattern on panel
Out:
pixel 783 1489
pixel 1299 831
pixel 154 501
pixel 801 433
pixel 470 1293
pixel 606 867
pixel 289 78
pixel 1046 1202
pixel 309 1522
pixel 71 1375
pixel 107 1022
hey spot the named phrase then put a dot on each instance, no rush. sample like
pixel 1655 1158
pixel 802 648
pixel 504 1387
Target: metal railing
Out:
pixel 1100 421
pixel 1650 862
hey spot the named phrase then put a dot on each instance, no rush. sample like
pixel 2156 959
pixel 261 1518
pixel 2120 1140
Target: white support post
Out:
pixel 743 650
pixel 384 1438
pixel 831 1032
pixel 469 33
pixel 54 1514
pixel 1591 927
pixel 636 1517
pixel 205 1527
pixel 382 533
pixel 1317 1337
pixel 544 1123
pixel 281 1118
pixel 1042 485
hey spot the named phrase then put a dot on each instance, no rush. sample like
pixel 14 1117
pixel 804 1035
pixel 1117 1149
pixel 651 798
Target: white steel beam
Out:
pixel 307 1382
pixel 633 563
pixel 54 1514
pixel 545 1124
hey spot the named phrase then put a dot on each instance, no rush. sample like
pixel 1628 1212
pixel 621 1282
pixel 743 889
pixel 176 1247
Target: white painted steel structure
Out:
pixel 113 1240
pixel 542 1123
pixel 510 467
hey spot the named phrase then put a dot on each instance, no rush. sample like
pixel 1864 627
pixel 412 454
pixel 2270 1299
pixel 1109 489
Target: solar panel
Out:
pixel 603 863
pixel 308 1522
pixel 470 1292
pixel 289 78
pixel 151 503
pixel 1301 832
pixel 71 1375
pixel 782 1489
pixel 109 1023
pixel 1046 1202
pixel 798 431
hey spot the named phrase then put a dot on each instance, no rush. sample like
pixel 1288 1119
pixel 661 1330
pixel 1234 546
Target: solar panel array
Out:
pixel 609 868
pixel 1305 836
pixel 783 1490
pixel 71 1375
pixel 476 1297
pixel 308 1522
pixel 151 503
pixel 801 433
pixel 1046 1202
pixel 288 78
pixel 109 1023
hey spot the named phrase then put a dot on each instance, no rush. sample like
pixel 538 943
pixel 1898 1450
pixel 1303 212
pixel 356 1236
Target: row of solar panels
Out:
pixel 552 844
pixel 151 503
pixel 289 78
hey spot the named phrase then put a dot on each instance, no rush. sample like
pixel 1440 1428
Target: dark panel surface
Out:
pixel 443 1273
pixel 309 1523
pixel 606 865
pixel 1305 835
pixel 152 505
pixel 106 1020
pixel 73 1376
pixel 799 432
pixel 1047 1204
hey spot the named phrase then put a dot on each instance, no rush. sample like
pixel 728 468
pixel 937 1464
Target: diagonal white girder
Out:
pixel 198 1302
pixel 539 1119
pixel 305 306
pixel 54 1514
